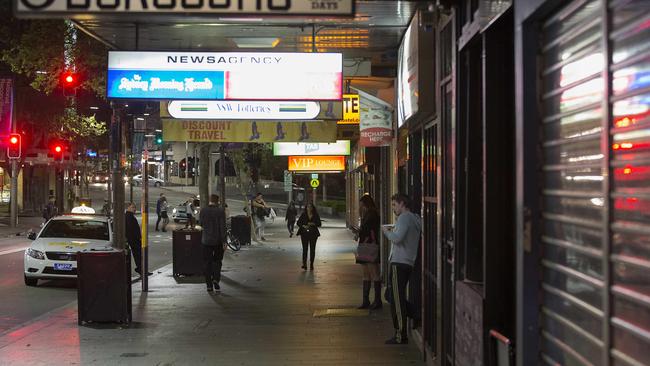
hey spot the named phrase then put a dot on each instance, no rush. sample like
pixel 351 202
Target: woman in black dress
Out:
pixel 369 233
pixel 308 225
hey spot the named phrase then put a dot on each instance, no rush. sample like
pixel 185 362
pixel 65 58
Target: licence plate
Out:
pixel 63 266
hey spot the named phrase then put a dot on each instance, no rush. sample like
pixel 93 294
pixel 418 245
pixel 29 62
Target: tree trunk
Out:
pixel 204 172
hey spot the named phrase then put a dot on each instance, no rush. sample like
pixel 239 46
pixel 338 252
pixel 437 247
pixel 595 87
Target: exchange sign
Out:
pixel 224 75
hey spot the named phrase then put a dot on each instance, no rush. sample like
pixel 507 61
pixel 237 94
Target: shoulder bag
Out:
pixel 369 250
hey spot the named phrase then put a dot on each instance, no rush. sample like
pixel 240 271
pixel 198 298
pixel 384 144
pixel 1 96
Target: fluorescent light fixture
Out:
pixel 149 135
pixel 41 72
pixel 94 108
pixel 158 130
pixel 146 114
pixel 140 119
pixel 255 42
pixel 241 19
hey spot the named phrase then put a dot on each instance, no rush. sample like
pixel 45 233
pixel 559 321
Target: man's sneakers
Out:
pixel 395 340
pixel 216 286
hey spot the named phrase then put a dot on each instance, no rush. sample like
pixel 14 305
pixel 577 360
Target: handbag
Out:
pixel 367 251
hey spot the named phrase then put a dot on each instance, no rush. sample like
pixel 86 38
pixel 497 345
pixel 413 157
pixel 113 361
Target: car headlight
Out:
pixel 174 211
pixel 97 178
pixel 37 254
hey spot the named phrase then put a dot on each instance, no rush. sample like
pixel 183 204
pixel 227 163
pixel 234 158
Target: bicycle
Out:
pixel 233 242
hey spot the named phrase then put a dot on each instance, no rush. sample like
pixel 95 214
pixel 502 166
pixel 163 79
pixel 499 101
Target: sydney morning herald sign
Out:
pixel 81 8
pixel 224 75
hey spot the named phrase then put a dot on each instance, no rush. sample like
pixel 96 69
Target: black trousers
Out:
pixel 399 275
pixel 136 251
pixel 158 221
pixel 290 225
pixel 308 242
pixel 212 258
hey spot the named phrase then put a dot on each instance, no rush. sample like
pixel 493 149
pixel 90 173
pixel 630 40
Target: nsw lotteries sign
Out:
pixel 72 8
pixel 224 76
pixel 340 147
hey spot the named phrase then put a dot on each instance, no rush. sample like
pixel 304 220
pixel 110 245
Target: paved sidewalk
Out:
pixel 263 316
pixel 24 225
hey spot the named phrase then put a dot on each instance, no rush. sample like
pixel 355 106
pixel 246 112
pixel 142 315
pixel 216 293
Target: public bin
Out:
pixel 187 252
pixel 104 286
pixel 240 227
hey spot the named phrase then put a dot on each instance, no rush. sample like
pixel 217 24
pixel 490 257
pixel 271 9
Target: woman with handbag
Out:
pixel 260 211
pixel 308 225
pixel 368 251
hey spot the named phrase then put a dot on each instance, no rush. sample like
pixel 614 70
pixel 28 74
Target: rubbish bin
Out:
pixel 104 286
pixel 240 226
pixel 187 252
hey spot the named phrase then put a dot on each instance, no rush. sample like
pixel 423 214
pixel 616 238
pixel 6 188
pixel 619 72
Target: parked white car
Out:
pixel 137 180
pixel 53 253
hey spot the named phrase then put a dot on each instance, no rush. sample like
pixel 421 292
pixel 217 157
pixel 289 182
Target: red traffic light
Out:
pixel 58 148
pixel 69 78
pixel 13 146
pixel 70 83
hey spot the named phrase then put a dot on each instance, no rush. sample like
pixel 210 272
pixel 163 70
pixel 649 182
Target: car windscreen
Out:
pixel 76 229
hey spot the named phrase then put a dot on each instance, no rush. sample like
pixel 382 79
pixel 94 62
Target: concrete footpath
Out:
pixel 268 313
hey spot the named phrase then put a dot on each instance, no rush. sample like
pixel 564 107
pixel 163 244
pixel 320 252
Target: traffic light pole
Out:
pixel 13 204
pixel 145 219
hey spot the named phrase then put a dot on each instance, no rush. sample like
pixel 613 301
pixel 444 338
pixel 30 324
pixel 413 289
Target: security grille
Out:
pixel 595 227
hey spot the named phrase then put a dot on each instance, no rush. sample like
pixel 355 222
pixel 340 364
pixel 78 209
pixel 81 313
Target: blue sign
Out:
pixel 160 84
pixel 91 154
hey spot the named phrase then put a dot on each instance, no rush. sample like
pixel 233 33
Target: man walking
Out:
pixel 158 210
pixel 133 236
pixel 213 238
pixel 405 239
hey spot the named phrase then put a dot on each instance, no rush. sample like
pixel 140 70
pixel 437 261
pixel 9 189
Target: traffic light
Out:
pixel 57 150
pixel 158 139
pixel 70 82
pixel 14 146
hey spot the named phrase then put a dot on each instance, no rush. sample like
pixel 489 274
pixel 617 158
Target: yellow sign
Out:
pixel 248 131
pixel 351 113
pixel 316 163
pixel 314 183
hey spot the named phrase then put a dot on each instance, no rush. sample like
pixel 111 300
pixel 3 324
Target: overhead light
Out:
pixel 241 19
pixel 41 72
pixel 158 130
pixel 255 42
pixel 126 105
pixel 146 114
pixel 94 108
pixel 149 135
pixel 140 119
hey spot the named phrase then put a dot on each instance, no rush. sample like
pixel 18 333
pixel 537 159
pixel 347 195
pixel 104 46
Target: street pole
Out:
pixel 222 174
pixel 117 181
pixel 324 187
pixel 13 204
pixel 187 165
pixel 145 218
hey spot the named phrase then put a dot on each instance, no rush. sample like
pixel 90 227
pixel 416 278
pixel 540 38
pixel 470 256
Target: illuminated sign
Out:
pixel 243 110
pixel 69 8
pixel 316 163
pixel 351 114
pixel 224 75
pixel 247 131
pixel 340 147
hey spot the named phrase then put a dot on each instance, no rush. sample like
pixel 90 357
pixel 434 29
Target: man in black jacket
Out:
pixel 213 238
pixel 133 236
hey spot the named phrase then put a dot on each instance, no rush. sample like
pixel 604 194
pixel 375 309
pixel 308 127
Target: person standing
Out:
pixel 164 207
pixel 369 233
pixel 290 217
pixel 189 211
pixel 213 238
pixel 259 213
pixel 133 236
pixel 158 203
pixel 308 225
pixel 50 210
pixel 405 239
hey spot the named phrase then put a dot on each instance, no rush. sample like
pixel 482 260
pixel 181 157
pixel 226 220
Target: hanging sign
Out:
pixel 317 163
pixel 224 75
pixel 288 181
pixel 243 110
pixel 72 8
pixel 351 114
pixel 340 147
pixel 247 131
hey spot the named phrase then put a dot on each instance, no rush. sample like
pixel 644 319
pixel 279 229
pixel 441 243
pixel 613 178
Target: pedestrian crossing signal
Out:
pixel 14 146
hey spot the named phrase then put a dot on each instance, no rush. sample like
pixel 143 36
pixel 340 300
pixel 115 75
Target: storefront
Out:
pixel 583 209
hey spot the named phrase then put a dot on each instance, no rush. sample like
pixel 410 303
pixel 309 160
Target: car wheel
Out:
pixel 30 281
pixel 157 184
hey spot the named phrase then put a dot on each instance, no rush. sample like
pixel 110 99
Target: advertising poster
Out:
pixel 376 126
pixel 316 163
pixel 248 131
pixel 6 104
pixel 351 106
pixel 252 110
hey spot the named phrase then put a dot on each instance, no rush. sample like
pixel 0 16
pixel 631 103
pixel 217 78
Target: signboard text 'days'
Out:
pixel 351 112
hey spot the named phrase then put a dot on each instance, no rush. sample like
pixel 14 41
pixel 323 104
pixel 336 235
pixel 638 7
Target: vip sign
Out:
pixel 224 75
pixel 316 163
pixel 71 8
pixel 351 113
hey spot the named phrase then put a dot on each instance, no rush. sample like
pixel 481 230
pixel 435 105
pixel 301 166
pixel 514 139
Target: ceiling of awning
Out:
pixel 374 33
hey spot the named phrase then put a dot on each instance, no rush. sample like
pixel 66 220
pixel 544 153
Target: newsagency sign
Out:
pixel 81 8
pixel 224 76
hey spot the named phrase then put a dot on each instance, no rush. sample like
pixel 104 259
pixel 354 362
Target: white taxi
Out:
pixel 53 252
